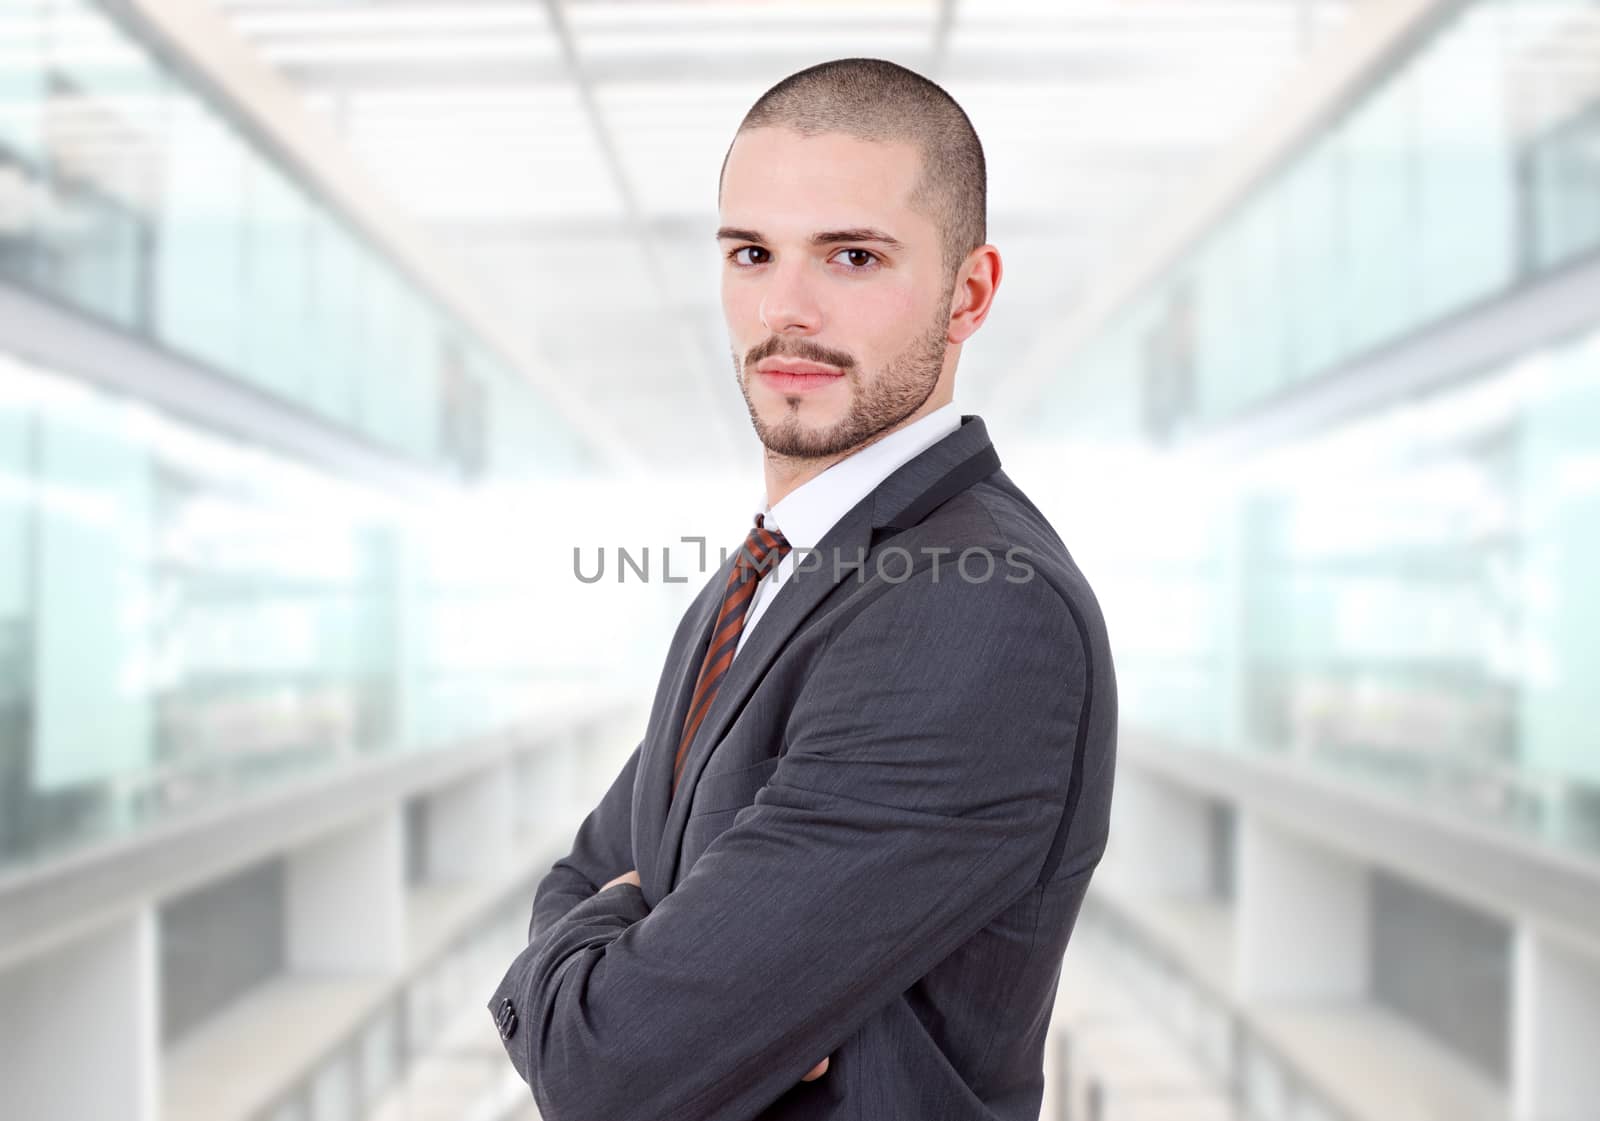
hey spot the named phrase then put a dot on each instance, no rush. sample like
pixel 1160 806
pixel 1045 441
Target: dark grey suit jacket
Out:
pixel 884 830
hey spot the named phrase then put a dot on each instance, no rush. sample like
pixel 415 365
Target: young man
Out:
pixel 836 877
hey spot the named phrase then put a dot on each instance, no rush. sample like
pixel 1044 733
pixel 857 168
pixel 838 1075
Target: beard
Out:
pixel 900 389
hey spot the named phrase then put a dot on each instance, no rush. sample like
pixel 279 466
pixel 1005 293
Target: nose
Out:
pixel 788 305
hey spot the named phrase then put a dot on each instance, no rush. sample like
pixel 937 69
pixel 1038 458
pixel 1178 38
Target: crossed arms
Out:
pixel 928 762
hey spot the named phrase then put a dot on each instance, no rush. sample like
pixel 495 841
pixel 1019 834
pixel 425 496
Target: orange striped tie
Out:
pixel 763 550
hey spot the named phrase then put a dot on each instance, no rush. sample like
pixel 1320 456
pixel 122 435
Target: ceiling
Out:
pixel 566 151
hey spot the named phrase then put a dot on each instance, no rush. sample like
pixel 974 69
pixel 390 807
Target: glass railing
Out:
pixel 1407 602
pixel 185 618
pixel 1262 1083
pixel 130 194
pixel 428 1033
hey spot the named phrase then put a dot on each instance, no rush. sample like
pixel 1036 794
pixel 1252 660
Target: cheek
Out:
pixel 740 308
pixel 881 321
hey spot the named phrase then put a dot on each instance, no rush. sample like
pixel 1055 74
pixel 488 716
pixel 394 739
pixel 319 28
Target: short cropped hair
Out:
pixel 874 99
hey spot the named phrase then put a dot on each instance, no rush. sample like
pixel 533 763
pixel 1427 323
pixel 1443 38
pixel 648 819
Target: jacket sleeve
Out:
pixel 602 850
pixel 925 775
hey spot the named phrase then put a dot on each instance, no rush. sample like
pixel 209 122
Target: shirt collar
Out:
pixel 806 513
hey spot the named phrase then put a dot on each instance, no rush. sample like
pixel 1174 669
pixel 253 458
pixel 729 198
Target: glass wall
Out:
pixel 1467 170
pixel 184 618
pixel 1405 600
pixel 127 193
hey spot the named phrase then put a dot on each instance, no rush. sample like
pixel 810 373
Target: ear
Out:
pixel 976 283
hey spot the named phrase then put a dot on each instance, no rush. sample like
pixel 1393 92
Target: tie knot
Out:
pixel 762 551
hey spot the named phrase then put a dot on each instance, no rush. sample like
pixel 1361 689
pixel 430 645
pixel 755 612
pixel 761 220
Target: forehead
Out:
pixel 778 177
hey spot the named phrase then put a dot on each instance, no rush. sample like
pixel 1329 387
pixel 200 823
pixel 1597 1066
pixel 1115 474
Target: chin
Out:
pixel 803 415
pixel 784 428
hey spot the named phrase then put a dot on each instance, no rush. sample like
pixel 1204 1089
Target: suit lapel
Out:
pixel 902 500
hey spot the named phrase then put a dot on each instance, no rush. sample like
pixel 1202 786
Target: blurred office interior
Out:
pixel 335 333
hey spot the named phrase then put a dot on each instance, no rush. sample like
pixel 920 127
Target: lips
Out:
pixel 796 366
pixel 785 380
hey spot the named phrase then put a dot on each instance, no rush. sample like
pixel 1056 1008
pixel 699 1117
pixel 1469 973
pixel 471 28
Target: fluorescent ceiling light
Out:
pixel 607 14
pixel 534 48
pixel 379 20
pixel 1160 13
pixel 699 45
pixel 541 99
pixel 1222 49
pixel 695 90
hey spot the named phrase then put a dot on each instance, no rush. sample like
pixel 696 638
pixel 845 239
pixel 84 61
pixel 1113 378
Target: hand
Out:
pixel 629 877
pixel 815 1072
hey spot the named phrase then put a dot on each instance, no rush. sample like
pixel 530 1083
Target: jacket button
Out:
pixel 506 1019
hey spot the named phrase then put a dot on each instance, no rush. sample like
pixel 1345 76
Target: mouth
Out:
pixel 798 383
pixel 793 375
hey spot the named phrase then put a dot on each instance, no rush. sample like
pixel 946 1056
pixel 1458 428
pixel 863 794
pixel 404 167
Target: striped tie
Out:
pixel 763 550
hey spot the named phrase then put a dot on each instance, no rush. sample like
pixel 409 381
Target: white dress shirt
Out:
pixel 807 513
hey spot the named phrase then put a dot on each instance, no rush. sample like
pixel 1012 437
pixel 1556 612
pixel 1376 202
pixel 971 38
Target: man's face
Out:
pixel 832 285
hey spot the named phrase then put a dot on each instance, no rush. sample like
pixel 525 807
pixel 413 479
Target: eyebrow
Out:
pixel 826 237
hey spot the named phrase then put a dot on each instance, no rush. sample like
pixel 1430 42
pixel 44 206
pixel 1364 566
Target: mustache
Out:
pixel 804 349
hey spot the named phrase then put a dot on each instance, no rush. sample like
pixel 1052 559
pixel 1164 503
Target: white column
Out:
pixel 1555 1029
pixel 80 1028
pixel 470 831
pixel 346 899
pixel 1303 917
pixel 1160 842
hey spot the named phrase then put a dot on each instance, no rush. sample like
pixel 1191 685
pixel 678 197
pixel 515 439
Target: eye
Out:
pixel 859 259
pixel 734 255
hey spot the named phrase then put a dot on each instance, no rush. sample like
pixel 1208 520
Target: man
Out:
pixel 836 877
